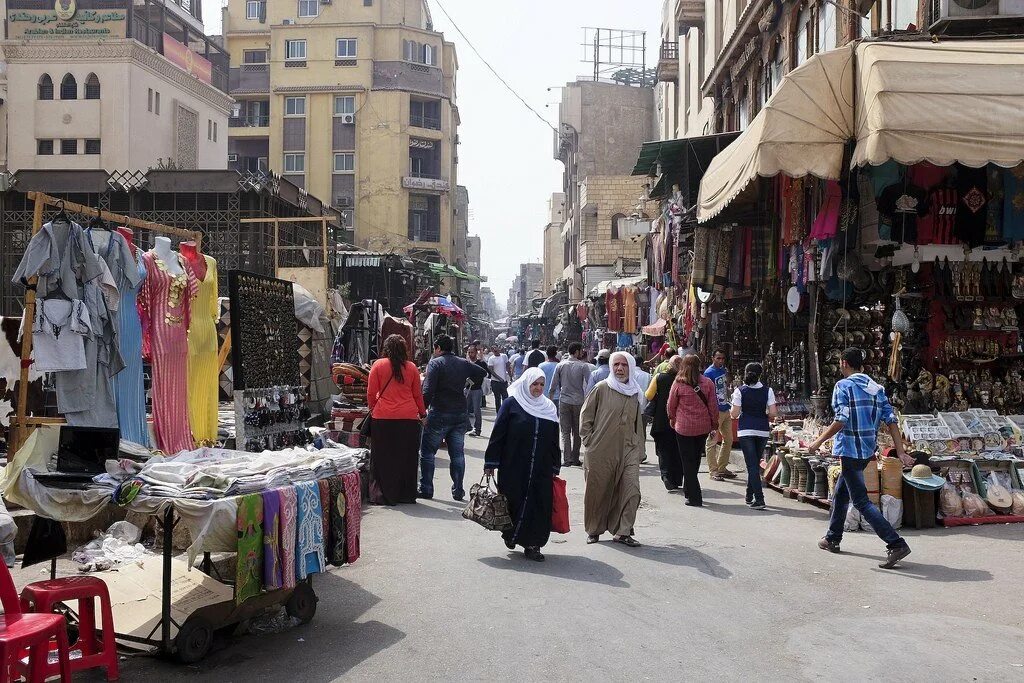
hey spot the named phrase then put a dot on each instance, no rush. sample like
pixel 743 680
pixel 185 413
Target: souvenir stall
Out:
pixel 914 263
pixel 98 307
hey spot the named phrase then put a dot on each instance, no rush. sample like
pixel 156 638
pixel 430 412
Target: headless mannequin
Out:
pixel 162 250
pixel 195 259
pixel 128 236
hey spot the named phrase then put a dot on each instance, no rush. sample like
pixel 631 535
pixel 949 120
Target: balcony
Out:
pixel 250 121
pixel 689 14
pixel 668 62
pixel 428 122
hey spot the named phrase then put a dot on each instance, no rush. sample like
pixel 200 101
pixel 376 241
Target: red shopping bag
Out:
pixel 559 507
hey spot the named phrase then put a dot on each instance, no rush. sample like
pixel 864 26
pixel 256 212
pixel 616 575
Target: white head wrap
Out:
pixel 629 387
pixel 539 406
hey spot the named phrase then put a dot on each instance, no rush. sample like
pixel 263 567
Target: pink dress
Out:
pixel 164 306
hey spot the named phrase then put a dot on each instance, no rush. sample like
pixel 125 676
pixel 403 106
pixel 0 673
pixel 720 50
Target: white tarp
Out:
pixel 956 101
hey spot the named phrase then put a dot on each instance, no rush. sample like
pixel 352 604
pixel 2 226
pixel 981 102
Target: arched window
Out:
pixel 92 87
pixel 69 88
pixel 45 87
pixel 615 225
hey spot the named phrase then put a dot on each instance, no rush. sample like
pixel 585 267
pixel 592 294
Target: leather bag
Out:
pixel 487 507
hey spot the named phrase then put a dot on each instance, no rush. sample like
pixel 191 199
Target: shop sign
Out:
pixel 193 64
pixel 433 184
pixel 65 21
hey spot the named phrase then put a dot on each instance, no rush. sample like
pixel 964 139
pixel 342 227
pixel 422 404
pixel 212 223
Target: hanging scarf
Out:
pixel 272 577
pixel 289 514
pixel 249 566
pixel 353 513
pixel 309 535
pixel 325 510
pixel 537 406
pixel 629 387
pixel 339 527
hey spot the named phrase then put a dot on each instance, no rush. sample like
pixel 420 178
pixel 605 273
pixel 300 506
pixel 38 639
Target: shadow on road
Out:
pixel 677 556
pixel 570 567
pixel 937 572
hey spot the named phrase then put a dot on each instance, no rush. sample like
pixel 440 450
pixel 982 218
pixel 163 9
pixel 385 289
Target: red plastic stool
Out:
pixel 33 632
pixel 43 596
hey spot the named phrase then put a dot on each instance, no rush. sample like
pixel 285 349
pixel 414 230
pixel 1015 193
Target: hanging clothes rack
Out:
pixel 22 425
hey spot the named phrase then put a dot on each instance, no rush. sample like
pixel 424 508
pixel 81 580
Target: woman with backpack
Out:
pixel 754 405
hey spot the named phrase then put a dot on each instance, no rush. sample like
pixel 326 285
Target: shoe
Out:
pixel 534 554
pixel 894 555
pixel 758 506
pixel 577 463
pixel 717 477
pixel 474 433
pixel 424 496
pixel 694 505
pixel 828 545
pixel 593 539
pixel 510 545
pixel 459 497
pixel 727 474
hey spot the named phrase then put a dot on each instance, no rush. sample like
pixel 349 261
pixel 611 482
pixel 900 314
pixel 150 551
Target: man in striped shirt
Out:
pixel 860 407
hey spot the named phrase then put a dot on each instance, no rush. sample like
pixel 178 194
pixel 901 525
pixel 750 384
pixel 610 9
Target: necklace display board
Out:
pixel 270 410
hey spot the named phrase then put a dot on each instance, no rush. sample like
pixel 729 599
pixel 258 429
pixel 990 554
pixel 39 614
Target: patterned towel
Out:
pixel 289 514
pixel 272 576
pixel 309 535
pixel 353 513
pixel 339 523
pixel 249 569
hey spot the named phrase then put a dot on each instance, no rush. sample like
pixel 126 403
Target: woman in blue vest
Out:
pixel 754 404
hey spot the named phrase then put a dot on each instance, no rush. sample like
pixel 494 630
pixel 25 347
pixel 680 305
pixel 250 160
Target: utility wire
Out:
pixel 491 68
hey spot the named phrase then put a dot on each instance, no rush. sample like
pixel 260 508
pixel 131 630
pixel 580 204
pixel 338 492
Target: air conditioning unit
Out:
pixel 348 118
pixel 342 201
pixel 287 22
pixel 964 13
pixel 232 157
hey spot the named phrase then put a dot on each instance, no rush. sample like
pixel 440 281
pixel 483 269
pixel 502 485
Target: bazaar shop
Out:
pixel 282 505
pixel 896 217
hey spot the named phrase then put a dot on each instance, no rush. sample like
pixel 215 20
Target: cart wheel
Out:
pixel 302 603
pixel 194 640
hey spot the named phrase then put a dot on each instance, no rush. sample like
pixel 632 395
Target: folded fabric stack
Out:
pixel 286 534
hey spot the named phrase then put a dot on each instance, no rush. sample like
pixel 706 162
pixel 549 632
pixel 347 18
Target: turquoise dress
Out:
pixel 129 391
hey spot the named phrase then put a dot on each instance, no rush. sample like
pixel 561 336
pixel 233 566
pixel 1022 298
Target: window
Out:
pixel 209 129
pixel 45 87
pixel 156 107
pixel 428 54
pixel 215 131
pixel 309 8
pixel 149 100
pixel 69 88
pixel 802 48
pixel 295 162
pixel 904 13
pixel 615 225
pixel 295 49
pixel 92 87
pixel 69 146
pixel 255 56
pixel 425 114
pixel 419 53
pixel 826 27
pixel 295 106
pixel 367 3
pixel 262 165
pixel 92 146
pixel 44 147
pixel 254 9
pixel 344 104
pixel 344 162
pixel 743 111
pixel 424 218
pixel 345 48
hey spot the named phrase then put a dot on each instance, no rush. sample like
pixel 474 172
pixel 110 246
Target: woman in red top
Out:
pixel 395 399
pixel 693 414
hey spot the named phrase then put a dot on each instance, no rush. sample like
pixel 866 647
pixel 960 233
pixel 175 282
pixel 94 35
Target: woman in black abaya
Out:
pixel 524 449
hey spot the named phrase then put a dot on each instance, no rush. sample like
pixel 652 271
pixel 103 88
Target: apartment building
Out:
pixel 553 242
pixel 353 100
pixel 601 129
pixel 109 85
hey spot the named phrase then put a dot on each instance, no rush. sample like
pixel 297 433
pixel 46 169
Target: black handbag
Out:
pixel 366 427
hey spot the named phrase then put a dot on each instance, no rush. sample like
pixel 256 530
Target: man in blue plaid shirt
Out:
pixel 860 407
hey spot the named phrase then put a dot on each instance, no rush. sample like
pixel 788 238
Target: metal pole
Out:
pixel 165 592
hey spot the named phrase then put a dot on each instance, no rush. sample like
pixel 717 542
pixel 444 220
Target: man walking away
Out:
pixel 536 356
pixel 476 390
pixel 612 433
pixel 569 383
pixel 517 360
pixel 444 395
pixel 718 453
pixel 602 371
pixel 860 406
pixel 548 368
pixel 498 366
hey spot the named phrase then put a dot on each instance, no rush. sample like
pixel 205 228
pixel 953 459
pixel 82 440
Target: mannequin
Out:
pixel 195 259
pixel 128 235
pixel 163 251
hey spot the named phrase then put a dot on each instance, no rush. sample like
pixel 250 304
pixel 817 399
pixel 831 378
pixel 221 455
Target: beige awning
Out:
pixel 958 101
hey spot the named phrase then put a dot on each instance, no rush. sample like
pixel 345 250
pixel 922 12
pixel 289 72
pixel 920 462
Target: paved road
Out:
pixel 721 591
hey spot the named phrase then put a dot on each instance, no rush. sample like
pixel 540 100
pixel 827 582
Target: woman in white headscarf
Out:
pixel 612 432
pixel 524 449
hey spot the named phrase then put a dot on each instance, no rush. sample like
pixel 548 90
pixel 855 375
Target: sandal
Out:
pixel 627 541
pixel 593 539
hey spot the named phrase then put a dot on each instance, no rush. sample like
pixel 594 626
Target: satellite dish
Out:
pixel 703 296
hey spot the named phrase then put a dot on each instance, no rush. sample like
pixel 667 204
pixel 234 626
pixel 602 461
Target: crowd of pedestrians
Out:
pixel 555 409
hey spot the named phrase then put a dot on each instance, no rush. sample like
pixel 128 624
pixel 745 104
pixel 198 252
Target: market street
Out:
pixel 717 591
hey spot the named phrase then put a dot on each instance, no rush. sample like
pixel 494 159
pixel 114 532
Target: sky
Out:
pixel 506 153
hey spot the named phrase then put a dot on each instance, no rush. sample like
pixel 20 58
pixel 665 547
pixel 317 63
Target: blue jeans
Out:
pixel 753 449
pixel 474 412
pixel 451 427
pixel 850 487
